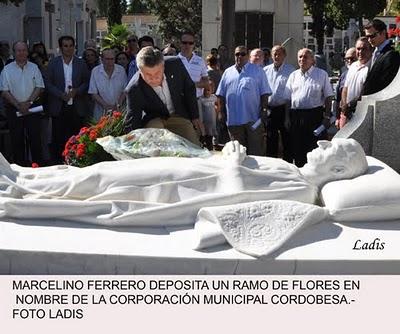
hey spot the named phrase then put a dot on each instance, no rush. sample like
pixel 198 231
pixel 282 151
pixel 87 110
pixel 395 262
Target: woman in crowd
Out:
pixel 122 58
pixel 91 58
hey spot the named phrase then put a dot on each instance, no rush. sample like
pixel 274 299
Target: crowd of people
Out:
pixel 266 104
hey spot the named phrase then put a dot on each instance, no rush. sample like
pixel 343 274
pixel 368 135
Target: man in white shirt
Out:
pixel 194 64
pixel 310 93
pixel 21 83
pixel 355 79
pixel 277 76
pixel 107 83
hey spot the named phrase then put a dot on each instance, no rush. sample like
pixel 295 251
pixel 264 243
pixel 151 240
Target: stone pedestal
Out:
pixel 376 124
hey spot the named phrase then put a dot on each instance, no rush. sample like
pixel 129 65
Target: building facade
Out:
pixel 257 23
pixel 47 20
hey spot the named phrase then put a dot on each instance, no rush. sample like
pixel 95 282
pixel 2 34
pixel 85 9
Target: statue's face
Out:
pixel 329 155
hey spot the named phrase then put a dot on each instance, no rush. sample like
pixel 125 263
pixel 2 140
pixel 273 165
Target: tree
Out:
pixel 137 7
pixel 175 17
pixel 329 14
pixel 115 10
pixel 317 9
pixel 14 2
pixel 340 11
pixel 104 7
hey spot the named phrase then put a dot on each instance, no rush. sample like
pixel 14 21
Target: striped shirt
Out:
pixel 277 78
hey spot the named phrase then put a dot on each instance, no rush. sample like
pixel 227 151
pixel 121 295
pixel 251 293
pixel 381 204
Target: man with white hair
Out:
pixel 107 83
pixel 257 57
pixel 310 93
pixel 162 95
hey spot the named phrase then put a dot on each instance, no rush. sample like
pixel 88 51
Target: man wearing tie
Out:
pixel 385 60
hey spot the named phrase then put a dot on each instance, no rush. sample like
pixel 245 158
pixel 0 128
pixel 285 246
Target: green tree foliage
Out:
pixel 14 2
pixel 115 10
pixel 176 17
pixel 118 6
pixel 137 7
pixel 117 37
pixel 317 9
pixel 340 11
pixel 329 14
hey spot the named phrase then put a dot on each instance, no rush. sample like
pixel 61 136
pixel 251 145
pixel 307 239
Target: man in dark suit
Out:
pixel 385 60
pixel 162 95
pixel 67 82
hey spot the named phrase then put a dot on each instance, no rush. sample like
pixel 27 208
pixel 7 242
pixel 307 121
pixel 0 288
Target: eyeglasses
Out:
pixel 187 42
pixel 241 54
pixel 372 35
pixel 349 58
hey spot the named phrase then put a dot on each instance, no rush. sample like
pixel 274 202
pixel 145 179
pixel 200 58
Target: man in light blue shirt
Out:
pixel 277 75
pixel 244 91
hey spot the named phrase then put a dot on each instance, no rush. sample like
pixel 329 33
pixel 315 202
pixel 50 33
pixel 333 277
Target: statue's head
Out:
pixel 335 160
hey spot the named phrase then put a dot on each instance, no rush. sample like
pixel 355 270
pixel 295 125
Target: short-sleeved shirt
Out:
pixel 355 79
pixel 21 82
pixel 109 88
pixel 277 78
pixel 308 90
pixel 196 68
pixel 242 92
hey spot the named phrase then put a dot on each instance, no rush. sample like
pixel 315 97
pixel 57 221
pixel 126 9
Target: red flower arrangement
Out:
pixel 82 150
pixel 395 33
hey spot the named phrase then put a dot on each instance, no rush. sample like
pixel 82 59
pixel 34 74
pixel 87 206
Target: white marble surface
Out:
pixel 65 248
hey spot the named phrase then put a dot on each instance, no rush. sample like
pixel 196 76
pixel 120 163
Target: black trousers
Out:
pixel 276 126
pixel 64 126
pixel 25 135
pixel 302 124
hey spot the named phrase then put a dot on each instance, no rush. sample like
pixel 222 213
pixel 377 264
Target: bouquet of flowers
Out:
pixel 82 150
pixel 143 143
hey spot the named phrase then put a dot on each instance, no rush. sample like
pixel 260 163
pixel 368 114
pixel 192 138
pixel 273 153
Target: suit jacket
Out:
pixel 383 70
pixel 55 85
pixel 142 98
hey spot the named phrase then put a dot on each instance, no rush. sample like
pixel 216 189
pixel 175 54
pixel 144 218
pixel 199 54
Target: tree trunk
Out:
pixel 228 26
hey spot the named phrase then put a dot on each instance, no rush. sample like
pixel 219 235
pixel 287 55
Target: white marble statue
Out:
pixel 170 191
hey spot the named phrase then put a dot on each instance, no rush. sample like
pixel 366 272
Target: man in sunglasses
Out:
pixel 385 60
pixel 349 58
pixel 244 91
pixel 194 64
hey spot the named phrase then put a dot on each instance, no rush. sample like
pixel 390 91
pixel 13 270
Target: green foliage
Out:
pixel 114 13
pixel 329 14
pixel 14 2
pixel 176 17
pixel 103 6
pixel 137 7
pixel 117 37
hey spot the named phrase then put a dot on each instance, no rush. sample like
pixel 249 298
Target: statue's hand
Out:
pixel 234 152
